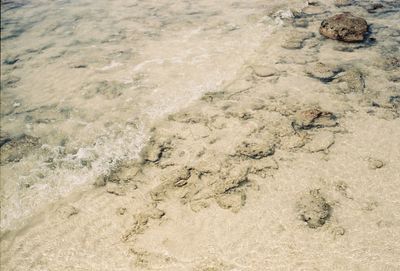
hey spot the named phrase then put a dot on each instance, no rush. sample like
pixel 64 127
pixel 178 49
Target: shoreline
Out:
pixel 289 163
pixel 95 106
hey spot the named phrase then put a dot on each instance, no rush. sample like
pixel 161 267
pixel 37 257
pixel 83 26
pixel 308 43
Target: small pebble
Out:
pixel 375 163
pixel 121 210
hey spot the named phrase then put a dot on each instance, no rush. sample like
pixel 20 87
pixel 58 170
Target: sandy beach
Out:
pixel 286 156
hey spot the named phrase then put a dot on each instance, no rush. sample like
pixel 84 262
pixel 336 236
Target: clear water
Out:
pixel 89 77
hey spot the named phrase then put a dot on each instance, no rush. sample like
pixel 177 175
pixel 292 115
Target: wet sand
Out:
pixel 292 164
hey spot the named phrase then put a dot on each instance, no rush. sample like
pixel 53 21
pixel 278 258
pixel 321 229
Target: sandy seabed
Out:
pixel 294 164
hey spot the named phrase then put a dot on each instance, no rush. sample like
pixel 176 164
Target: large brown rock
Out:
pixel 344 27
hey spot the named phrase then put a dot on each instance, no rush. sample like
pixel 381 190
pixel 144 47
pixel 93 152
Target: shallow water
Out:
pixel 87 78
pixel 225 182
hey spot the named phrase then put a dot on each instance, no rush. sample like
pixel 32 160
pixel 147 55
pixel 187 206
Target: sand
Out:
pixel 294 164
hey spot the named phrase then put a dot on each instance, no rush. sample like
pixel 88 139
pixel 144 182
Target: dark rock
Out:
pixel 344 27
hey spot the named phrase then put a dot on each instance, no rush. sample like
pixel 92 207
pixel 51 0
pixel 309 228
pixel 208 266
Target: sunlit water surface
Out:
pixel 87 78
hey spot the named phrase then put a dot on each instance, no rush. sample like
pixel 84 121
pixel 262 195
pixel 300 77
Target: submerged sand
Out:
pixel 294 164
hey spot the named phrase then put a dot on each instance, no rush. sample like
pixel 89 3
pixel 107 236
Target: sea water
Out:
pixel 87 78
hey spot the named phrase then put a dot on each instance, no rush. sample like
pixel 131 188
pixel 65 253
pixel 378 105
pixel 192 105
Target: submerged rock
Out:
pixel 142 220
pixel 390 62
pixel 313 209
pixel 9 81
pixel 256 148
pixel 343 3
pixel 67 211
pixel 344 27
pixel 4 138
pixel 296 40
pixel 386 104
pixel 375 163
pixel 14 149
pixel 231 179
pixel 232 201
pixel 10 60
pixel 109 89
pixel 351 81
pixel 264 71
pixel 321 71
pixel 154 150
pixel 300 22
pixel 373 7
pixel 313 118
